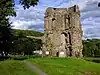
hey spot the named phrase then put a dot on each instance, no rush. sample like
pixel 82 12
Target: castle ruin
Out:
pixel 63 33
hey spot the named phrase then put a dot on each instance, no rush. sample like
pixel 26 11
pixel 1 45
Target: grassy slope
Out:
pixel 12 67
pixel 66 66
pixel 28 32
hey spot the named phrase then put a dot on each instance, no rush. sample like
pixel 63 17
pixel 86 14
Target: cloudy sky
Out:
pixel 33 18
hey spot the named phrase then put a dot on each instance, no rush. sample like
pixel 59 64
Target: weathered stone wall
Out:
pixel 63 33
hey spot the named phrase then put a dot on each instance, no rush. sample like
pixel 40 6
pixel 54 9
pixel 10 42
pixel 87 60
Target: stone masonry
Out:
pixel 63 33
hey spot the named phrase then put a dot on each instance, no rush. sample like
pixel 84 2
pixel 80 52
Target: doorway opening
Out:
pixel 57 54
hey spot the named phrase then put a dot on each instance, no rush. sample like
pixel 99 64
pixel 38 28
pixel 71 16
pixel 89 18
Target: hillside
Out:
pixel 27 32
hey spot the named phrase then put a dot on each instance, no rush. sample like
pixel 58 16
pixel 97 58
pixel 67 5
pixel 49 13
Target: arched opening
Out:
pixel 70 51
pixel 64 34
pixel 54 8
pixel 57 54
pixel 53 19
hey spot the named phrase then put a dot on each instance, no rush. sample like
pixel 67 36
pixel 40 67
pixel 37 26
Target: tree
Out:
pixel 28 3
pixel 91 48
pixel 26 46
pixel 6 10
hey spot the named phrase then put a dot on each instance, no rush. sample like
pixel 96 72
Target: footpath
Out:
pixel 34 68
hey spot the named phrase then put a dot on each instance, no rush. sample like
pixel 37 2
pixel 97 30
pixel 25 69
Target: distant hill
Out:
pixel 27 32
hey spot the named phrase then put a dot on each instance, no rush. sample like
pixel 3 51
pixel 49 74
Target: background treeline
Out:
pixel 91 48
pixel 20 44
pixel 17 32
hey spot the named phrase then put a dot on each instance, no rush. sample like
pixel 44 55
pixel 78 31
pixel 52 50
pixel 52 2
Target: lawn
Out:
pixel 14 67
pixel 66 66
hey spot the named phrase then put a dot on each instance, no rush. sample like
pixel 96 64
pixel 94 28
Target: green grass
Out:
pixel 14 67
pixel 66 66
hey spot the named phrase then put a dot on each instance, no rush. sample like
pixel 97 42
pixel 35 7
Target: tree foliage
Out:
pixel 28 3
pixel 24 45
pixel 6 10
pixel 91 48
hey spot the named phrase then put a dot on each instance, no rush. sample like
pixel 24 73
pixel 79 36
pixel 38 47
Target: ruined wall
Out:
pixel 63 33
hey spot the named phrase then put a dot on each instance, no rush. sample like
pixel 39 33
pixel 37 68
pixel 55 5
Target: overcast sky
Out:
pixel 33 18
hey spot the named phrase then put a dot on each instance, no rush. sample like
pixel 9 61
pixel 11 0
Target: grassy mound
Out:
pixel 12 67
pixel 66 66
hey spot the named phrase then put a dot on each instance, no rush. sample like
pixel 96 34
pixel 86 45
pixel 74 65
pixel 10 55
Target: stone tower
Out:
pixel 63 33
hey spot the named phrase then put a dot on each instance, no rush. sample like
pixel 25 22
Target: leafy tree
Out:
pixel 91 48
pixel 6 10
pixel 25 46
pixel 28 3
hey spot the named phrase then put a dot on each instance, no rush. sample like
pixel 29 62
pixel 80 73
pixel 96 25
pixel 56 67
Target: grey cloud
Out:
pixel 90 10
pixel 30 14
pixel 91 14
pixel 90 6
pixel 92 32
pixel 36 27
pixel 28 19
pixel 91 27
